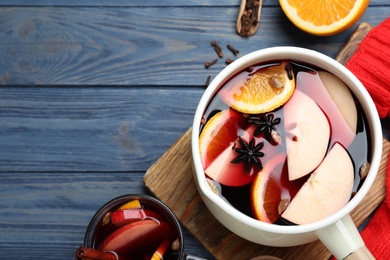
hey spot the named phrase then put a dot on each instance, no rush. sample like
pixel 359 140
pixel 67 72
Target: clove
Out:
pixel 216 45
pixel 209 64
pixel 232 49
pixel 219 52
pixel 228 61
pixel 289 72
pixel 217 48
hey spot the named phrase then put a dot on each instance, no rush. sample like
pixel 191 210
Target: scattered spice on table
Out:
pixel 209 64
pixel 228 61
pixel 219 51
pixel 232 49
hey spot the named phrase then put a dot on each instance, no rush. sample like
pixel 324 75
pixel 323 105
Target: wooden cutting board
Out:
pixel 171 180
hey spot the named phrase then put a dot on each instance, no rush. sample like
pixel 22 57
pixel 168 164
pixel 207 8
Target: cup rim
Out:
pixel 88 237
pixel 300 54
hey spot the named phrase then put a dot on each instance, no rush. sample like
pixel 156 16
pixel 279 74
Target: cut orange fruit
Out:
pixel 133 204
pixel 221 130
pixel 217 143
pixel 270 188
pixel 324 17
pixel 267 89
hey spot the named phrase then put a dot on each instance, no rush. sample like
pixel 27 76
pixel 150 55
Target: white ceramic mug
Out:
pixel 337 232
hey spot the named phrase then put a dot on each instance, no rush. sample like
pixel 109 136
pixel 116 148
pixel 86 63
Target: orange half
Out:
pixel 324 17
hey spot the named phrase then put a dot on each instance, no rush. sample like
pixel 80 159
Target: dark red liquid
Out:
pixel 358 150
pixel 149 242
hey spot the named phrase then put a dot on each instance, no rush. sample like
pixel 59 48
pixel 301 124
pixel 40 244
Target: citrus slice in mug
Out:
pixel 218 133
pixel 217 141
pixel 133 204
pixel 265 90
pixel 270 188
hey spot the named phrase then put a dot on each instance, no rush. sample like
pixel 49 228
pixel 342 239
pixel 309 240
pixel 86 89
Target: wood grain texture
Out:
pixel 44 215
pixel 353 43
pixel 175 167
pixel 127 3
pixel 91 129
pixel 92 93
pixel 122 3
pixel 361 253
pixel 137 45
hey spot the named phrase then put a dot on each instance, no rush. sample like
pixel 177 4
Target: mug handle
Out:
pixel 344 241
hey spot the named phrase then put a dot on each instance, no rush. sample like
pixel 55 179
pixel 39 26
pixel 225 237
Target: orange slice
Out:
pixel 218 133
pixel 324 17
pixel 267 192
pixel 133 204
pixel 267 89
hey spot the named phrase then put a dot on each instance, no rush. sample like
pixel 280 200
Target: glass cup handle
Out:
pixel 344 241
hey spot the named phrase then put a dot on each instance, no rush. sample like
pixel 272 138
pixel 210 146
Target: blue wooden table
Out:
pixel 93 92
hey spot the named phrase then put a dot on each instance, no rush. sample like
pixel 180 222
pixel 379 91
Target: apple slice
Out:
pixel 307 136
pixel 342 97
pixel 120 218
pixel 334 98
pixel 227 173
pixel 326 191
pixel 222 170
pixel 136 235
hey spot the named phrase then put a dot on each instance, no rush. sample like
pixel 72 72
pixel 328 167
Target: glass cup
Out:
pixel 337 232
pixel 94 230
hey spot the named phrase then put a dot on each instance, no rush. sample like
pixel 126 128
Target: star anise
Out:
pixel 265 124
pixel 249 154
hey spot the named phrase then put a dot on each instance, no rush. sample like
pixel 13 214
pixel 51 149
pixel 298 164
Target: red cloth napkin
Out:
pixel 371 64
pixel 376 235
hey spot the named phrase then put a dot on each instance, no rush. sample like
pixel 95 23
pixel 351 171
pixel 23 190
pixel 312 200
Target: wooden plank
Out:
pixel 91 129
pixel 353 43
pixel 137 46
pixel 175 167
pixel 44 215
pixel 122 3
pixel 136 3
pixel 48 213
